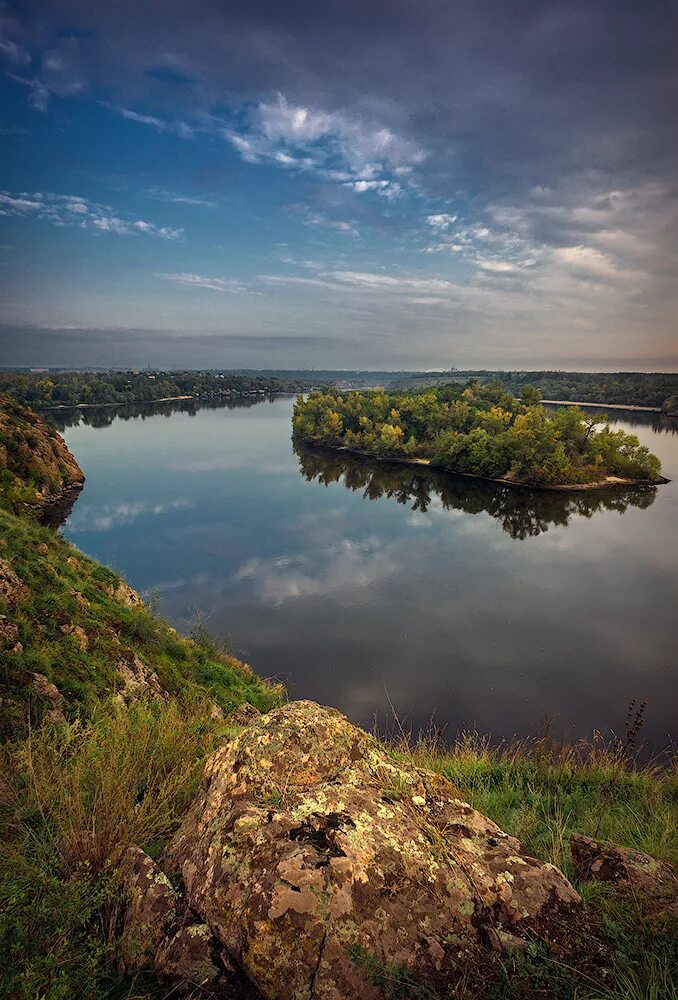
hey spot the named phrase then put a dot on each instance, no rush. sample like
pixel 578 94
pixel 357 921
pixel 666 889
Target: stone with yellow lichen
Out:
pixel 301 852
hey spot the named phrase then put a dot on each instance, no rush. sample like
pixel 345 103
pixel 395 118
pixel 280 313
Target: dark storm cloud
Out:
pixel 501 96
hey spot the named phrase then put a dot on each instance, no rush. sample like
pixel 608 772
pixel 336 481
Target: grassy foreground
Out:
pixel 68 814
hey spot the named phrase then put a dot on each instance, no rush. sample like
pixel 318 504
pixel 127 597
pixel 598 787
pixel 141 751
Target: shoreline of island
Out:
pixel 610 482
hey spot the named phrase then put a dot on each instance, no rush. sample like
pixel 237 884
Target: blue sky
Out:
pixel 400 186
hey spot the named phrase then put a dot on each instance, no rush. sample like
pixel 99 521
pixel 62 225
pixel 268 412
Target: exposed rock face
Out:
pixel 655 881
pixel 51 696
pixel 37 458
pixel 9 636
pixel 158 932
pixel 125 595
pixel 12 589
pixel 312 856
pixel 138 681
pixel 150 909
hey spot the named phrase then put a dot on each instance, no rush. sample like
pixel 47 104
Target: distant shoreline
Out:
pixel 162 399
pixel 611 482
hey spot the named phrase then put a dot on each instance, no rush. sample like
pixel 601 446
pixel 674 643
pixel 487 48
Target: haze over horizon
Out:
pixel 395 186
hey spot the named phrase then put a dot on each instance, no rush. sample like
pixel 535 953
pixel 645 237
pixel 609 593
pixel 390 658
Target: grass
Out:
pixel 542 794
pixel 74 797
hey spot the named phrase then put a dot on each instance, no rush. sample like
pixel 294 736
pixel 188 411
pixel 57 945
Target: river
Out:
pixel 389 591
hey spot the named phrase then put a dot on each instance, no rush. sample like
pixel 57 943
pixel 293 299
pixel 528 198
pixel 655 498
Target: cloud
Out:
pixel 180 128
pixel 112 515
pixel 74 210
pixel 346 567
pixel 339 146
pixel 200 281
pixel 160 194
pixel 587 261
pixel 38 93
pixel 15 53
pixel 441 221
pixel 321 220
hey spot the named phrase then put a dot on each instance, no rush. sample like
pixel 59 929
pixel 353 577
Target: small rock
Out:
pixel 125 595
pixel 78 634
pixel 138 681
pixel 12 589
pixel 42 548
pixel 652 880
pixel 51 695
pixel 216 712
pixel 244 714
pixel 150 908
pixel 80 598
pixel 9 636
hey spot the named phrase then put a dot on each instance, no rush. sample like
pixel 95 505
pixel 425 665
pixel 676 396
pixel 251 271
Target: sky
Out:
pixel 394 185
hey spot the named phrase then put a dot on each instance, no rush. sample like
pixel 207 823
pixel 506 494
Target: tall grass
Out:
pixel 542 792
pixel 74 797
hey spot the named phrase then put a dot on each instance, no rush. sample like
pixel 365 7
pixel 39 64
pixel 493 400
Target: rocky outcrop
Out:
pixel 12 590
pixel 158 932
pixel 654 881
pixel 9 637
pixel 138 681
pixel 51 697
pixel 125 595
pixel 315 859
pixel 43 473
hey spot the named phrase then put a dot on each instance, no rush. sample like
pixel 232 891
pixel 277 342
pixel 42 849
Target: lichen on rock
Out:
pixel 309 845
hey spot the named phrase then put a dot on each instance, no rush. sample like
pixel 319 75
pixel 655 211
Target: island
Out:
pixel 481 431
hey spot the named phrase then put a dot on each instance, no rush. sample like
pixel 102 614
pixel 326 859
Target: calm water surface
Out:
pixel 361 584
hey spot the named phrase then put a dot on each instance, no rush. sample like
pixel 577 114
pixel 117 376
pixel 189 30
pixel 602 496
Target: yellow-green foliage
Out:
pixel 65 588
pixel 477 430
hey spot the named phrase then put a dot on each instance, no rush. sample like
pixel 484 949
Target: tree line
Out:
pixel 44 389
pixel 481 430
pixel 659 389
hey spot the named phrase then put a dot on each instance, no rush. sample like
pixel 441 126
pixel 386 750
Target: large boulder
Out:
pixel 328 870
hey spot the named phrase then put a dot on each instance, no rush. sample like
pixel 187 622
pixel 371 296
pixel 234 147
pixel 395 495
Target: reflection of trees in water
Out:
pixel 104 416
pixel 523 513
pixel 659 423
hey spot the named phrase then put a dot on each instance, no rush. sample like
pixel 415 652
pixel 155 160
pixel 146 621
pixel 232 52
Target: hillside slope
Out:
pixel 74 622
pixel 37 471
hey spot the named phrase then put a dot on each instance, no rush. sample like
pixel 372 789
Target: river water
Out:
pixel 381 590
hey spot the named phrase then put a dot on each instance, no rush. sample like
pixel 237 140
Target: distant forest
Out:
pixel 62 388
pixel 44 389
pixel 622 388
